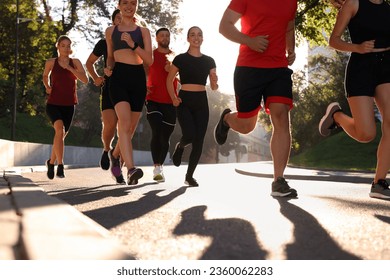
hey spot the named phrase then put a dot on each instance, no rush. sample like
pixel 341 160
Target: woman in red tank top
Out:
pixel 60 79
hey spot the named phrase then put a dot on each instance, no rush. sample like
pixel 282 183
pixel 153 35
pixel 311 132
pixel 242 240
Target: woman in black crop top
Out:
pixel 192 105
pixel 128 48
pixel 367 80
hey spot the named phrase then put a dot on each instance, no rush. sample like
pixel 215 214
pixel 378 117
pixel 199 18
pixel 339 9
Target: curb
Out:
pixel 36 226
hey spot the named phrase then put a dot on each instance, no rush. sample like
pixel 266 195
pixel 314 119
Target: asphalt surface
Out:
pixel 231 215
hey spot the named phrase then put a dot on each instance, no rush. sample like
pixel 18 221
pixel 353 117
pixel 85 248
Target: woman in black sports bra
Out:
pixel 367 80
pixel 192 106
pixel 128 48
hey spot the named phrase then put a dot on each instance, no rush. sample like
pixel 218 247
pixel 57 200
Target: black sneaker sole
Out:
pixel 137 174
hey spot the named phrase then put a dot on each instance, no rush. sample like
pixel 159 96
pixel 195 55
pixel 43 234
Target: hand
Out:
pixel 366 47
pixel 291 57
pixel 108 71
pixel 337 3
pixel 99 81
pixel 149 90
pixel 127 38
pixel 48 90
pixel 176 102
pixel 259 43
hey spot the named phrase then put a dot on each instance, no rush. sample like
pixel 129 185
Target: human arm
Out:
pixel 213 79
pixel 110 63
pixel 228 29
pixel 290 42
pixel 348 10
pixel 171 89
pixel 46 74
pixel 146 53
pixel 90 64
pixel 78 70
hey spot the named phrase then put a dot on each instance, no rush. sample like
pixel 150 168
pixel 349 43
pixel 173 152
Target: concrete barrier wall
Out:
pixel 30 154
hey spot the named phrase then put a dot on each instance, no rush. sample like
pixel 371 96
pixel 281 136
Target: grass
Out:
pixel 340 152
pixel 36 129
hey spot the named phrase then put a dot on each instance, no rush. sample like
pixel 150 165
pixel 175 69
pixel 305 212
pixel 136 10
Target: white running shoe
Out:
pixel 158 174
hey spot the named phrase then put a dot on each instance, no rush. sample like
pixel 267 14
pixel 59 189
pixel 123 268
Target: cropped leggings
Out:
pixel 193 117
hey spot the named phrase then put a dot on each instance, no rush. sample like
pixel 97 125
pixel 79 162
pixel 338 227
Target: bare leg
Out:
pixel 382 99
pixel 361 126
pixel 241 125
pixel 127 123
pixel 281 137
pixel 57 153
pixel 109 126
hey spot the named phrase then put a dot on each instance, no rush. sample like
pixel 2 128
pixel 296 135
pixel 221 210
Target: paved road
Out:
pixel 232 215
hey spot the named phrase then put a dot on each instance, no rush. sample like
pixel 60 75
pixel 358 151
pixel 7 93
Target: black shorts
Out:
pixel 64 113
pixel 105 100
pixel 167 111
pixel 365 72
pixel 128 83
pixel 252 85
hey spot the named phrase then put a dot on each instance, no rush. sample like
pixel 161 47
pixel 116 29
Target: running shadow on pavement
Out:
pixel 75 196
pixel 312 242
pixel 383 218
pixel 322 176
pixel 117 214
pixel 232 238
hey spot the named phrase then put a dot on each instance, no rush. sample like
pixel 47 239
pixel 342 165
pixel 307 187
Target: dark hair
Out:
pixel 162 29
pixel 62 38
pixel 189 30
pixel 117 11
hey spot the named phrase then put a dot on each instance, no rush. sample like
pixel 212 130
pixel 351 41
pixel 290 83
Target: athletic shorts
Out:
pixel 105 100
pixel 365 72
pixel 167 111
pixel 64 113
pixel 128 83
pixel 254 85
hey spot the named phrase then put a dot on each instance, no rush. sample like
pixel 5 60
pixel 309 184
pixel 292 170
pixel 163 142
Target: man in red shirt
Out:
pixel 262 76
pixel 161 114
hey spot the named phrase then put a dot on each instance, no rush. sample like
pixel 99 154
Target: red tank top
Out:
pixel 157 78
pixel 63 83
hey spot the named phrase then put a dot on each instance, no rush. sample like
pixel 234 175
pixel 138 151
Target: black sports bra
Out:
pixel 119 44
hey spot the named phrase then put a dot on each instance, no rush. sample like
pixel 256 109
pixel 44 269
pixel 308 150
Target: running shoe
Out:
pixel 221 129
pixel 120 180
pixel 50 170
pixel 177 154
pixel 327 122
pixel 158 174
pixel 280 188
pixel 190 181
pixel 115 165
pixel 380 189
pixel 60 171
pixel 133 175
pixel 105 161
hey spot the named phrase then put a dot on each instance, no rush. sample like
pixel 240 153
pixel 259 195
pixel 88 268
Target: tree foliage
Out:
pixel 90 18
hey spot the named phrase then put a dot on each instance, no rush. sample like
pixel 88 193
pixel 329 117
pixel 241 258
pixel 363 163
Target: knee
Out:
pixel 366 136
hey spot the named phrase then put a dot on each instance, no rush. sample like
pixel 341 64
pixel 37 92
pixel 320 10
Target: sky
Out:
pixel 207 14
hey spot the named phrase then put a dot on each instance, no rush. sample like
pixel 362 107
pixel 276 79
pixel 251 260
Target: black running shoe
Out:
pixel 50 170
pixel 190 181
pixel 105 161
pixel 177 155
pixel 327 122
pixel 221 129
pixel 60 171
pixel 120 180
pixel 134 175
pixel 282 189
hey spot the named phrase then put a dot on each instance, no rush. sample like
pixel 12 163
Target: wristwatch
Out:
pixel 135 46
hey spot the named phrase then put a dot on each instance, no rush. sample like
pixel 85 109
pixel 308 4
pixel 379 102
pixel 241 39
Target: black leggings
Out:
pixel 162 120
pixel 193 117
